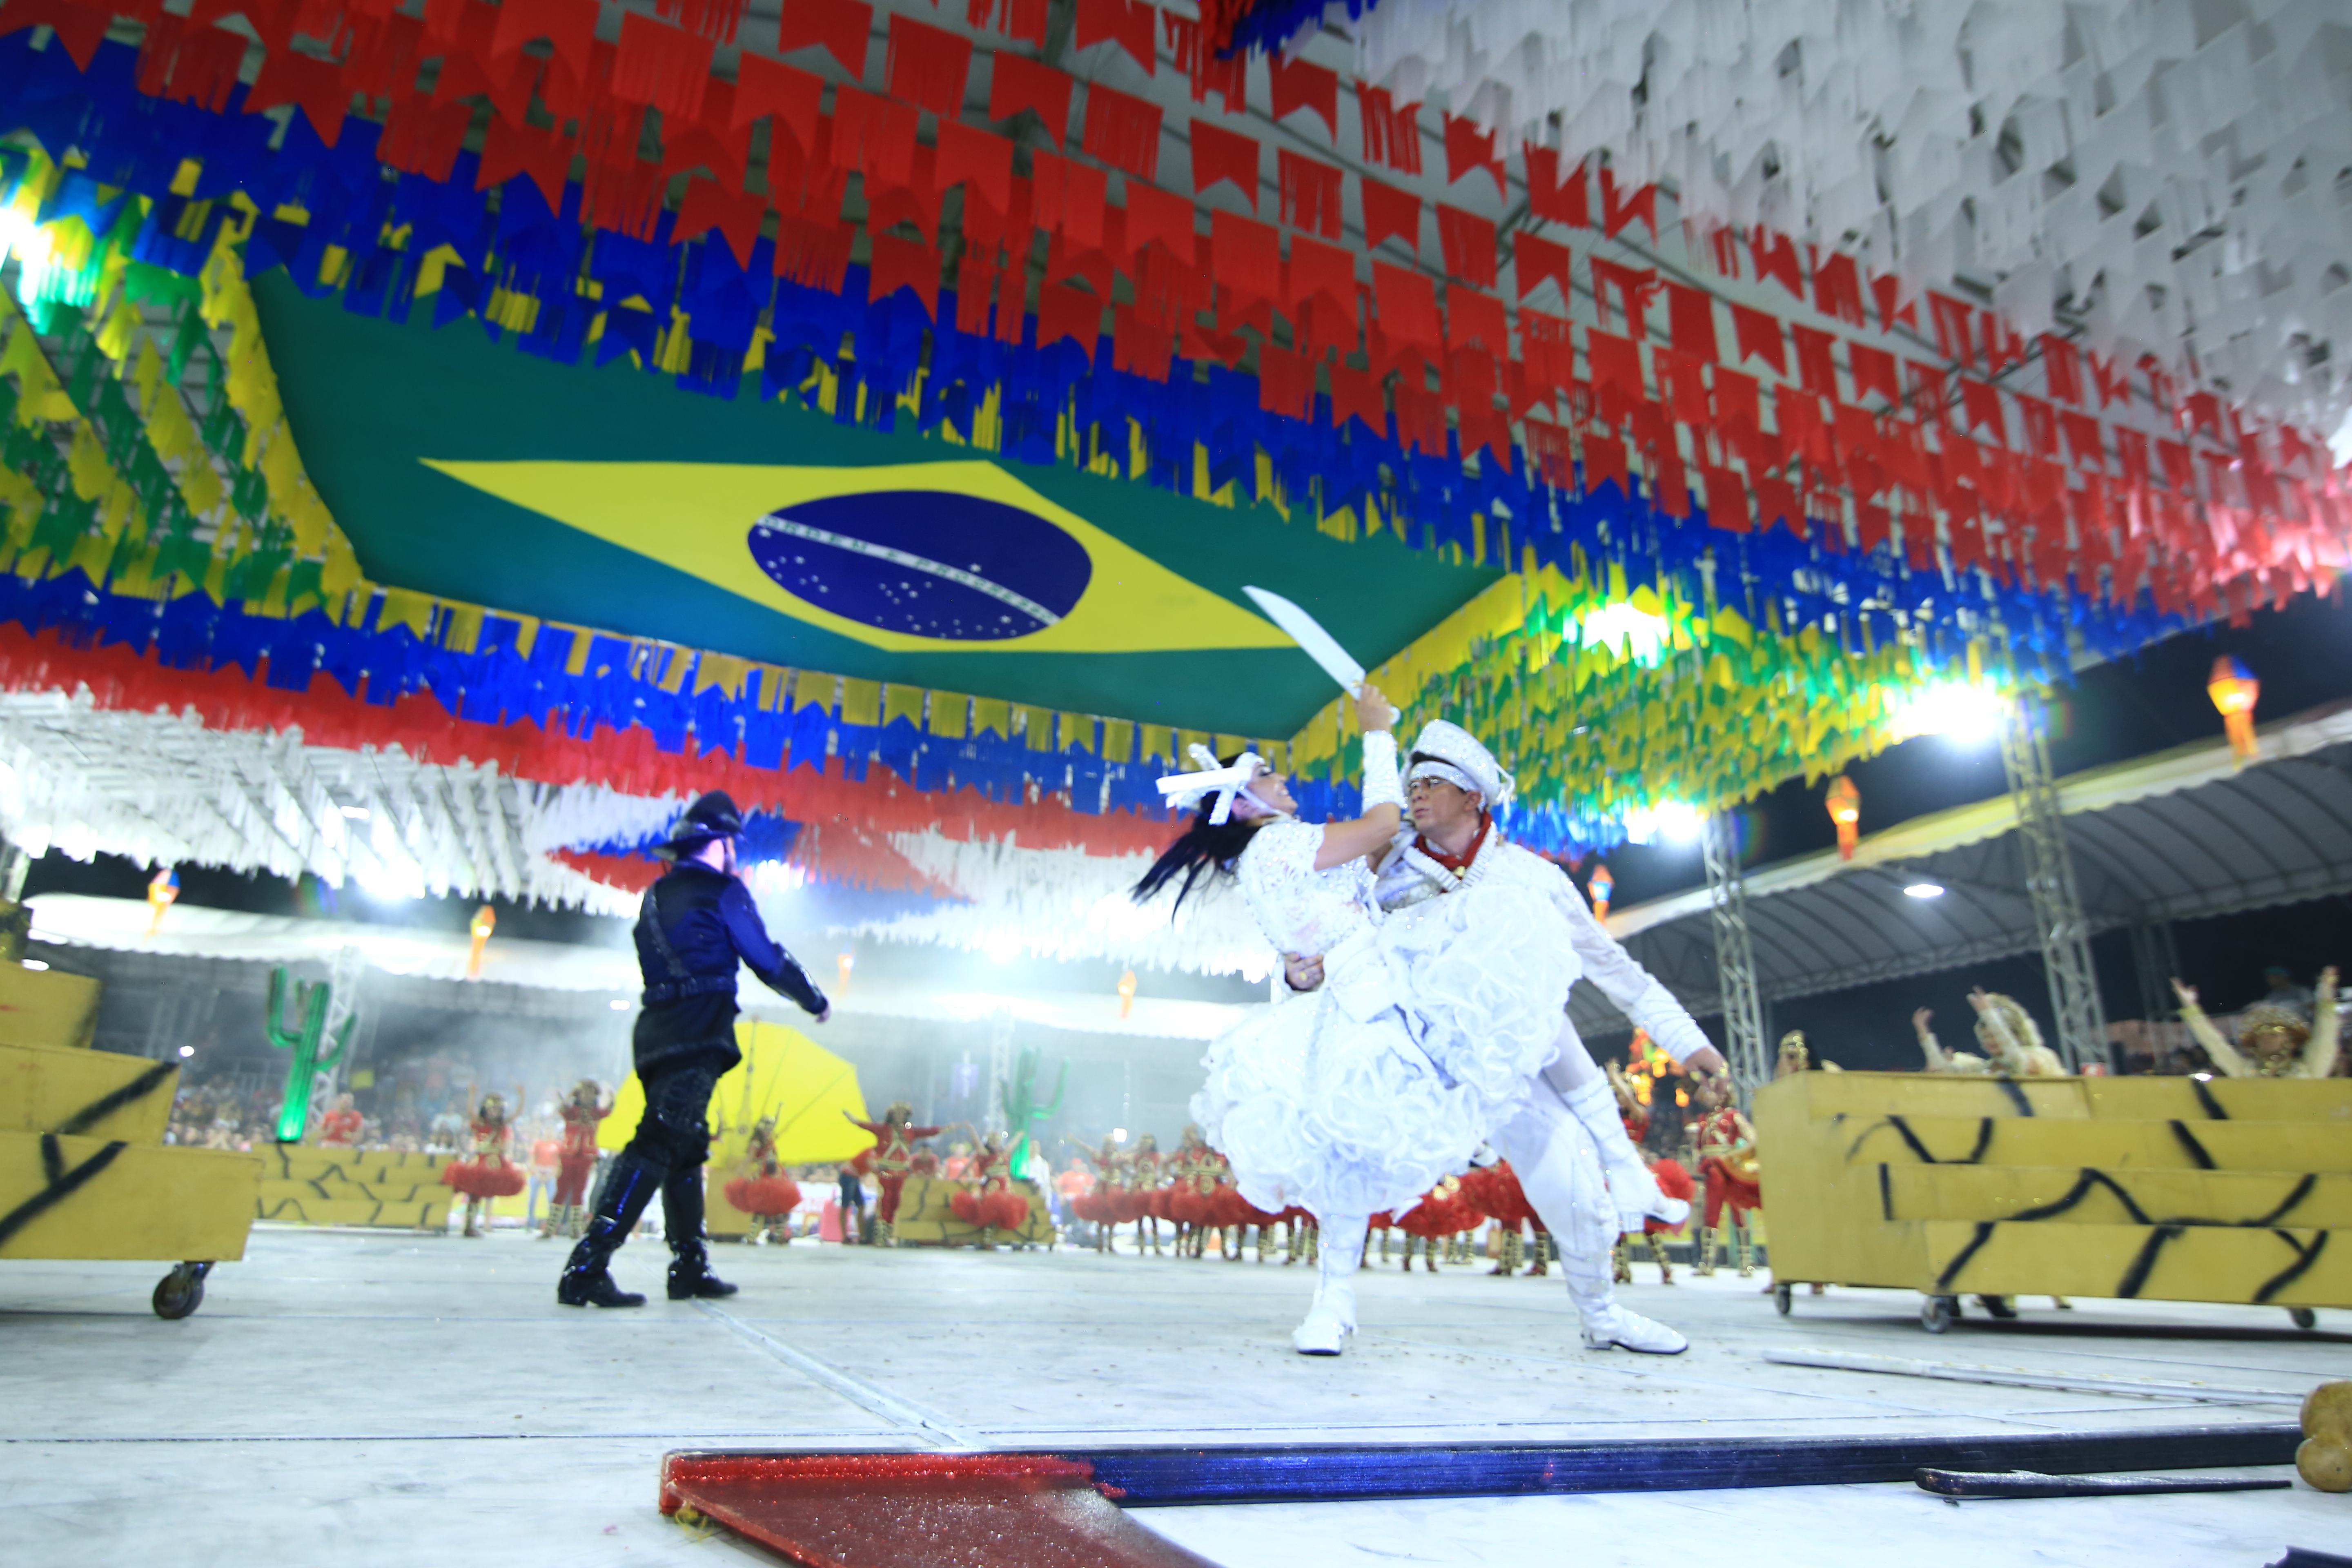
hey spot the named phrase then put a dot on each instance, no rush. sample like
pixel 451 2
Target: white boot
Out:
pixel 1332 1318
pixel 1560 1171
pixel 1630 1186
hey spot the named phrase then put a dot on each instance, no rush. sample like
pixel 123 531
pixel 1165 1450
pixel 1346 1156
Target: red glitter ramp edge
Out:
pixel 917 1511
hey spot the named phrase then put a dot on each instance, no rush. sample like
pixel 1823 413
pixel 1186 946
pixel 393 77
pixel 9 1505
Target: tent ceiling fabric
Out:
pixel 2165 175
pixel 2180 836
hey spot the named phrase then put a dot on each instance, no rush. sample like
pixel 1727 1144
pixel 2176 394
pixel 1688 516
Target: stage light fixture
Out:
pixel 1625 631
pixel 35 964
pixel 1963 710
pixel 1923 890
pixel 187 1050
pixel 1670 820
pixel 356 813
pixel 620 1004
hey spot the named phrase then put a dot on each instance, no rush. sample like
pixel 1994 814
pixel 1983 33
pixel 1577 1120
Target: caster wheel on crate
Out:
pixel 1781 1300
pixel 2303 1318
pixel 1939 1313
pixel 181 1292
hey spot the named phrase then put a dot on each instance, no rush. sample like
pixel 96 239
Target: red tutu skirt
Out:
pixel 1234 1209
pixel 765 1195
pixel 480 1179
pixel 1006 1211
pixel 1433 1218
pixel 1191 1206
pixel 1133 1204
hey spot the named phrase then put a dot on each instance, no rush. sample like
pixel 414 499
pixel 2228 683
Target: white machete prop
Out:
pixel 1319 645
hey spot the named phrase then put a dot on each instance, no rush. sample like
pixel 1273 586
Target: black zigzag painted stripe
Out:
pixel 106 1105
pixel 62 1183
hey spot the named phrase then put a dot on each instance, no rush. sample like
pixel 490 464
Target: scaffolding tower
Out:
pixel 1735 955
pixel 2050 880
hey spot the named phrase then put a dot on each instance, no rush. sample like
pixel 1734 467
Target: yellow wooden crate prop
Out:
pixel 306 1186
pixel 72 1197
pixel 925 1216
pixel 44 1008
pixel 2164 1188
pixel 95 1094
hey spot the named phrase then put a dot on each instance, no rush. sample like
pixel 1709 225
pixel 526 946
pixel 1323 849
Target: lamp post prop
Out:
pixel 2234 689
pixel 1845 810
pixel 1601 885
pixel 1126 994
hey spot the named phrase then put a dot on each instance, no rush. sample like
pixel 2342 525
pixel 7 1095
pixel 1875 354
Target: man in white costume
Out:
pixel 1568 1147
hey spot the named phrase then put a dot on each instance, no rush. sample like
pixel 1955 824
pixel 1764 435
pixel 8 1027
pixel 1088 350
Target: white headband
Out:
pixel 1226 784
pixel 1438 768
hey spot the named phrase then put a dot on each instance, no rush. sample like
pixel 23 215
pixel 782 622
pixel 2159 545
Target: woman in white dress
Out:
pixel 1360 1096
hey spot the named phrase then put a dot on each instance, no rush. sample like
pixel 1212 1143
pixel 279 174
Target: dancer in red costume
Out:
pixel 490 1174
pixel 991 1202
pixel 891 1160
pixel 1145 1201
pixel 1192 1192
pixel 765 1191
pixel 339 1128
pixel 1673 1179
pixel 576 1160
pixel 1726 1163
pixel 1098 1205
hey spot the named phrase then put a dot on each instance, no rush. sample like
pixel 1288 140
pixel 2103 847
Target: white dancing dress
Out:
pixel 1360 1096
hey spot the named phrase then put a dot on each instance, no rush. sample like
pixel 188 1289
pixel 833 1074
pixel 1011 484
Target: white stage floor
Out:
pixel 385 1398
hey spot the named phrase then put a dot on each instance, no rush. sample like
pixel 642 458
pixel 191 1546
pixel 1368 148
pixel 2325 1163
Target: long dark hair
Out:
pixel 1206 849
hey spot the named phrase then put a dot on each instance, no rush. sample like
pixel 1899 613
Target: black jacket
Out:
pixel 694 926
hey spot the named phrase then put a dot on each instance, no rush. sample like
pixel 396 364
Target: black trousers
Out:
pixel 666 1154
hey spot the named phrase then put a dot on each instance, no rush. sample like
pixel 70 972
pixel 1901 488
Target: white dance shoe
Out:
pixel 1611 1327
pixel 1324 1332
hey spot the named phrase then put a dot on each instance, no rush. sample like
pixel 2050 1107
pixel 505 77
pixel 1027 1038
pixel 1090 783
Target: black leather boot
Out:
pixel 690 1270
pixel 587 1280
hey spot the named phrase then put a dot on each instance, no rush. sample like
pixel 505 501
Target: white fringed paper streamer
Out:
pixel 1066 904
pixel 162 790
pixel 2167 170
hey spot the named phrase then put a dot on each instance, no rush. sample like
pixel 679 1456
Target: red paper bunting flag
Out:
pixel 839 27
pixel 1022 21
pixel 1155 216
pixel 873 136
pixel 1123 131
pixel 1837 289
pixel 660 66
pixel 1469 148
pixel 1690 319
pixel 1604 464
pixel 1549 352
pixel 1141 346
pixel 1069 196
pixel 1319 270
pixel 182 64
pixel 1727 500
pixel 1219 155
pixel 316 86
pixel 1776 259
pixel 1130 24
pixel 1616 361
pixel 1633 289
pixel 1299 85
pixel 1245 258
pixel 1815 367
pixel 1391 213
pixel 2114 382
pixel 1015 82
pixel 1356 395
pixel 2041 426
pixel 1736 403
pixel 928 66
pixel 1555 197
pixel 1207 73
pixel 569 25
pixel 1476 319
pixel 976 276
pixel 81 28
pixel 1758 334
pixel 814 252
pixel 1952 330
pixel 1535 259
pixel 2083 438
pixel 1873 371
pixel 1468 241
pixel 1682 385
pixel 420 136
pixel 2061 364
pixel 1072 313
pixel 511 150
pixel 1406 302
pixel 978 159
pixel 1310 193
pixel 1617 216
pixel 1286 383
pixel 708 205
pixel 1391 132
pixel 1421 419
pixel 1980 405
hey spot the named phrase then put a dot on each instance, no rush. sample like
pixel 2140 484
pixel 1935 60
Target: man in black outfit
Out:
pixel 697 923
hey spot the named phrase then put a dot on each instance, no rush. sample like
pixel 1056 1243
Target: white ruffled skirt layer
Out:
pixel 1358 1097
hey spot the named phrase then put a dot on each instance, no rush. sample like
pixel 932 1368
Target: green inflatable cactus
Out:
pixel 311 1002
pixel 1021 1112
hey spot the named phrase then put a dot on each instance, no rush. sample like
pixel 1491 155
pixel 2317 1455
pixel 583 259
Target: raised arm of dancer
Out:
pixel 1383 792
pixel 2007 1050
pixel 1636 991
pixel 2226 1057
pixel 2319 1051
pixel 1937 1060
